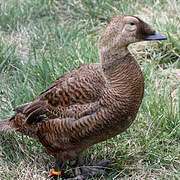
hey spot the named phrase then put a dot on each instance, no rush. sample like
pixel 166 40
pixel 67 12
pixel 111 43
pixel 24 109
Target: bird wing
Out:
pixel 72 95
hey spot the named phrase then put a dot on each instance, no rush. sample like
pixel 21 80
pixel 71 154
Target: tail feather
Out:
pixel 18 123
pixel 5 125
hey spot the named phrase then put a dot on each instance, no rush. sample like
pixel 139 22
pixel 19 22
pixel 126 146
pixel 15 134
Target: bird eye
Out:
pixel 132 23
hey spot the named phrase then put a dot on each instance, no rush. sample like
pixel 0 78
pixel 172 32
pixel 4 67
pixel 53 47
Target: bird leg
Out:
pixel 81 171
pixel 56 172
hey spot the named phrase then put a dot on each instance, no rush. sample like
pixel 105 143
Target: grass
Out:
pixel 42 39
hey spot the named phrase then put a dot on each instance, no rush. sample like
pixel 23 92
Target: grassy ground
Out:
pixel 42 39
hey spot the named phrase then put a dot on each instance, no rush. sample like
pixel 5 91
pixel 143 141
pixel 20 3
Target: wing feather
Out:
pixel 70 95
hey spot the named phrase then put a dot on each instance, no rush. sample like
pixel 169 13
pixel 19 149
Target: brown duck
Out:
pixel 91 103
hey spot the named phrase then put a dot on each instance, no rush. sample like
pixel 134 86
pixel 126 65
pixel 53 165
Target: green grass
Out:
pixel 42 39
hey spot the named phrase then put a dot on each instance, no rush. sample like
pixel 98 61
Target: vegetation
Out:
pixel 42 39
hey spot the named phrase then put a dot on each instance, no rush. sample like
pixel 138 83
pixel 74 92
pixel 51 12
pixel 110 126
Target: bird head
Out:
pixel 123 30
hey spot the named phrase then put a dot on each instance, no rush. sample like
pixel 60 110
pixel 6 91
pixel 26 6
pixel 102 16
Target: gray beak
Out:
pixel 155 37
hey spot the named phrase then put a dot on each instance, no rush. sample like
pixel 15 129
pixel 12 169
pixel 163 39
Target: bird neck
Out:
pixel 112 61
pixel 109 55
pixel 125 81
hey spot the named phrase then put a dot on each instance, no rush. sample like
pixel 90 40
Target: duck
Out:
pixel 91 103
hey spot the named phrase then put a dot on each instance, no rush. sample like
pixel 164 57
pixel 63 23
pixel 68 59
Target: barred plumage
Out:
pixel 91 103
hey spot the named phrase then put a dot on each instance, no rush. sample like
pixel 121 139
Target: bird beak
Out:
pixel 155 37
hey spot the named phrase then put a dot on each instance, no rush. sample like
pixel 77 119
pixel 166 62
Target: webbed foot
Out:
pixel 84 172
